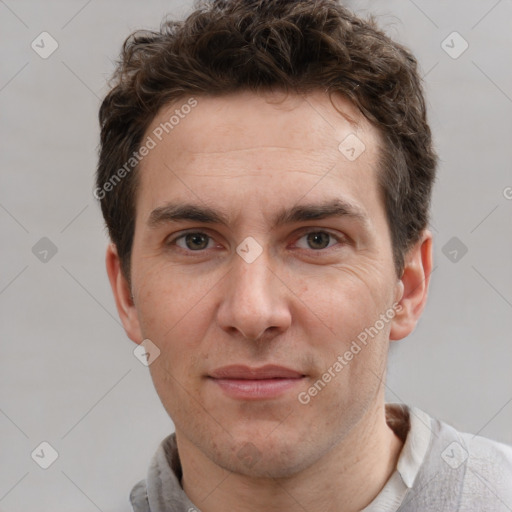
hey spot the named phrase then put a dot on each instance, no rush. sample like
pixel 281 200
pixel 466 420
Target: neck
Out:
pixel 347 479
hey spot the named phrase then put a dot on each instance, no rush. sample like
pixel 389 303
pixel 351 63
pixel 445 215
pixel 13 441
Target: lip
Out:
pixel 247 383
pixel 242 372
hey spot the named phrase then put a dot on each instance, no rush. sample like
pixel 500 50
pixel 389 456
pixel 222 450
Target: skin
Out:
pixel 297 305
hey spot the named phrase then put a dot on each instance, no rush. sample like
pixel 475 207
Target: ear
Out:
pixel 122 295
pixel 414 284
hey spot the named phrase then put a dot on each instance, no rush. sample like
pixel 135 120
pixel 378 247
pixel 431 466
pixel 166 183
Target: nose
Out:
pixel 254 303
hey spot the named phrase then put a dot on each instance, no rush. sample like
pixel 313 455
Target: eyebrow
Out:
pixel 175 212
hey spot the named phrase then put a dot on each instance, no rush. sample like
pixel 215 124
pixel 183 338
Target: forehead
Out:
pixel 266 144
pixel 297 121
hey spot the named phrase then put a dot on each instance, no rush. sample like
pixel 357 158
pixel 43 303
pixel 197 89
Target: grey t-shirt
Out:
pixel 439 470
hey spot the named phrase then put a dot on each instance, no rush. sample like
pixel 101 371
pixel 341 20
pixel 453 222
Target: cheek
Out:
pixel 341 303
pixel 347 338
pixel 169 298
pixel 178 395
pixel 173 315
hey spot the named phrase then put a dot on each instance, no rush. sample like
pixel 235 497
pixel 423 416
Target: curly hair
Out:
pixel 225 46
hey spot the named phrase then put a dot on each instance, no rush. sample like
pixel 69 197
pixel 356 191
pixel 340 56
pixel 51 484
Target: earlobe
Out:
pixel 122 295
pixel 414 283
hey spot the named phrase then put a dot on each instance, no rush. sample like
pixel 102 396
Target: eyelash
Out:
pixel 339 238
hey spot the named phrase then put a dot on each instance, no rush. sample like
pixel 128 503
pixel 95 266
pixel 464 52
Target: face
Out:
pixel 261 254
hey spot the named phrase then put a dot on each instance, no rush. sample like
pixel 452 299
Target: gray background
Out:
pixel 68 375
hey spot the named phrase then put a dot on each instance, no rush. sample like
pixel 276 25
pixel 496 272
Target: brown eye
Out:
pixel 321 241
pixel 318 240
pixel 193 241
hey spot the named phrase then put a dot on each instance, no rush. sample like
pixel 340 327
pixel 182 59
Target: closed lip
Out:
pixel 243 372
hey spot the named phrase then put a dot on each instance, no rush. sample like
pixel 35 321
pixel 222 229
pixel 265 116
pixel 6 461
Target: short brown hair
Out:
pixel 226 46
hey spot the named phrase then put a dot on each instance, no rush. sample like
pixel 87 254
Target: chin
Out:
pixel 259 457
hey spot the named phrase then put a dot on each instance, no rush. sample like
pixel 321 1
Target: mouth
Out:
pixel 246 383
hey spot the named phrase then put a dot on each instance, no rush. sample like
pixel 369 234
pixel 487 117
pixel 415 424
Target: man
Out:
pixel 265 174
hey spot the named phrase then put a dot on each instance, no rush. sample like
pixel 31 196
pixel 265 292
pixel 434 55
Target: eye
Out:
pixel 318 240
pixel 193 241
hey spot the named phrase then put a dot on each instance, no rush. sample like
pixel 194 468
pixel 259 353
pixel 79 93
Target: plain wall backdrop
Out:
pixel 68 375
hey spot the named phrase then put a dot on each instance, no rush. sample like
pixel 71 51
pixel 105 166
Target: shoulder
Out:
pixel 488 466
pixel 475 451
pixel 139 497
pixel 484 451
pixel 479 467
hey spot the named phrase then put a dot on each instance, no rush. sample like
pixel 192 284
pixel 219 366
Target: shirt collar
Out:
pixel 416 445
pixel 415 425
